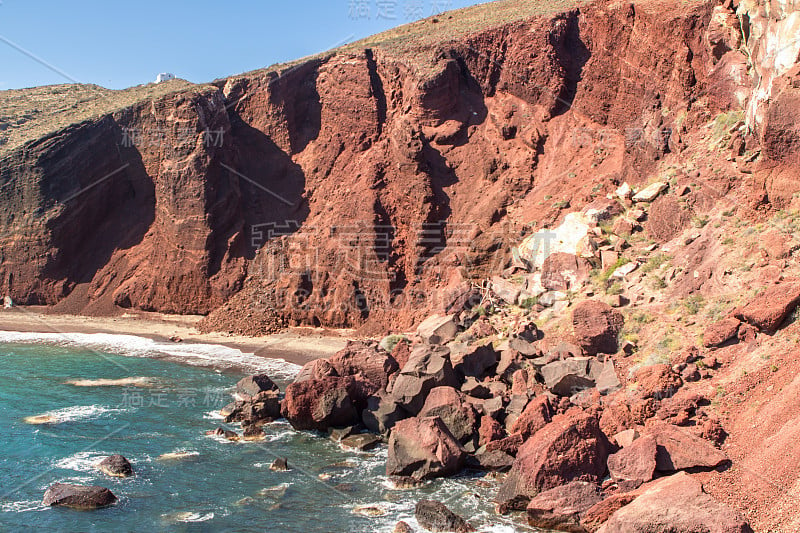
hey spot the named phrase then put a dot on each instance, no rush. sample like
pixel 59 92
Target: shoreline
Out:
pixel 296 345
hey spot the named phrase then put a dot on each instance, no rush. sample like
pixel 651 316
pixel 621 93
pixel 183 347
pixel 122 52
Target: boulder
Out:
pixel 427 367
pixel 721 332
pixel 252 432
pixel 264 406
pixel 423 448
pixel 506 290
pixel 473 361
pixel 569 376
pixel 676 503
pixel 435 516
pixel 564 271
pixel 536 415
pixel 651 192
pixel 489 407
pixel 678 449
pixel 316 369
pixel 491 461
pixel 768 310
pixel 459 416
pixel 319 404
pixel 561 508
pixel 116 465
pixel 381 414
pixel 78 496
pixel 657 381
pixel 607 380
pixel 599 513
pixel 596 325
pixel 438 329
pixel 509 445
pixel 634 464
pixel 489 430
pixel 249 386
pixel 626 437
pixel 402 527
pixel 570 448
pixel 358 358
pixel 476 389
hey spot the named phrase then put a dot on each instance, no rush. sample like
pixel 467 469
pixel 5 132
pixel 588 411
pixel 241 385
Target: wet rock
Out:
pixel 676 503
pixel 249 386
pixel 116 465
pixel 361 442
pixel 448 404
pixel 634 464
pixel 427 367
pixel 402 527
pixel 721 332
pixel 678 449
pixel 280 464
pixel 596 326
pixel 435 516
pixel 423 448
pixel 319 404
pixel 252 432
pixel 570 448
pixel 78 496
pixel 265 406
pixel 438 329
pixel 768 310
pixel 561 508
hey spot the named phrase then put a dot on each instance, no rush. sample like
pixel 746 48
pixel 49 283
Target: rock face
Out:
pixel 570 448
pixel 596 326
pixel 116 465
pixel 319 404
pixel 435 516
pixel 78 496
pixel 423 448
pixel 399 157
pixel 676 503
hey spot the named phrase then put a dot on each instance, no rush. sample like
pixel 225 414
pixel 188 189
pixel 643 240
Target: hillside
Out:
pixel 654 147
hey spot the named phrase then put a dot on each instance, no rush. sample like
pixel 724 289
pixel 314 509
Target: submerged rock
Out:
pixel 78 496
pixel 280 464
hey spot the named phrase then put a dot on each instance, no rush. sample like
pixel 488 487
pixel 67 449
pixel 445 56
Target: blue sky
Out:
pixel 119 44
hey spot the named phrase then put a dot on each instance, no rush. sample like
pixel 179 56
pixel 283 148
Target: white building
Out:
pixel 165 76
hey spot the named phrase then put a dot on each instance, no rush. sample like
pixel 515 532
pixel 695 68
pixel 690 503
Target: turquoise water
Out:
pixel 217 485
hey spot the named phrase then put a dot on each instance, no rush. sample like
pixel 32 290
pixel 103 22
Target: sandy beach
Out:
pixel 296 345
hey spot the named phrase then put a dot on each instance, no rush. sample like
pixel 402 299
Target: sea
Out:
pixel 69 400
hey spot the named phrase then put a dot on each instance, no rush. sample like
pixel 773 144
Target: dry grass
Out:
pixel 28 114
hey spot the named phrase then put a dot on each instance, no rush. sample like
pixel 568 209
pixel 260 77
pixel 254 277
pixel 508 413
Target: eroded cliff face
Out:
pixel 368 186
